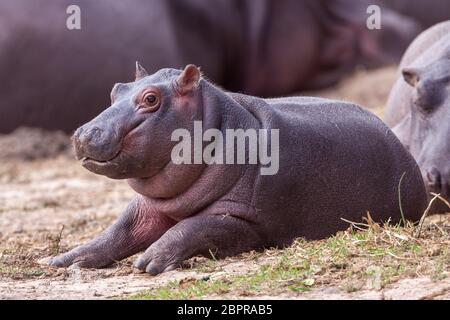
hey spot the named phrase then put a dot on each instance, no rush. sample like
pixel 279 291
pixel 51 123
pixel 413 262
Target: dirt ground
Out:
pixel 49 204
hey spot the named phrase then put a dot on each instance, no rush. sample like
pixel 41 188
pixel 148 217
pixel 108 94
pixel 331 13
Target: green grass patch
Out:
pixel 370 258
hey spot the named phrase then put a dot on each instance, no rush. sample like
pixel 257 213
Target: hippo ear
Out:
pixel 140 72
pixel 411 76
pixel 188 80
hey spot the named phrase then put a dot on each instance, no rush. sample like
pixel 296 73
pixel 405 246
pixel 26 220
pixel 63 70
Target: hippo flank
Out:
pixel 418 108
pixel 336 161
pixel 56 78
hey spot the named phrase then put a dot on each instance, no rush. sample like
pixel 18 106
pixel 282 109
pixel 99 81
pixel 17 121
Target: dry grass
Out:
pixel 38 197
pixel 366 256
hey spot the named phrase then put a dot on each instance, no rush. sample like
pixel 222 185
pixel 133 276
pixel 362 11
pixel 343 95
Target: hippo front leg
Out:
pixel 137 228
pixel 218 235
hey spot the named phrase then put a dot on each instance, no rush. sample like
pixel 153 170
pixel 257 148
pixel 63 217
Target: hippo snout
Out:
pixel 438 181
pixel 95 143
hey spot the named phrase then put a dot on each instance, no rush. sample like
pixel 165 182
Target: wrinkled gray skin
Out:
pixel 418 108
pixel 336 161
pixel 56 78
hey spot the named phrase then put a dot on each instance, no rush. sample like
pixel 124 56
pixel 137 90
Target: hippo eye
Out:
pixel 150 101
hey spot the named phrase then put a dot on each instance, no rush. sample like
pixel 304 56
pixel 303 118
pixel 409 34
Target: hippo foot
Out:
pixel 211 236
pixel 82 257
pixel 155 262
pixel 137 228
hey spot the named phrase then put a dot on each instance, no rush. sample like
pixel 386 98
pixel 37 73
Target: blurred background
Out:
pixel 57 78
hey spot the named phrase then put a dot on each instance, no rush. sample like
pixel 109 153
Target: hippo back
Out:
pixel 338 161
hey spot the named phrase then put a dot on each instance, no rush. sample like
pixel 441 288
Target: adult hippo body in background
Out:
pixel 336 161
pixel 56 78
pixel 418 107
pixel 424 12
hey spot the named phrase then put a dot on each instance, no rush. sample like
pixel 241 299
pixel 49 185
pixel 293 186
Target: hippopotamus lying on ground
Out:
pixel 334 161
pixel 56 78
pixel 418 108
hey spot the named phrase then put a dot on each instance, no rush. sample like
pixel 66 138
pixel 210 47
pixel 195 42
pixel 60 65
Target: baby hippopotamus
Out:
pixel 418 108
pixel 334 161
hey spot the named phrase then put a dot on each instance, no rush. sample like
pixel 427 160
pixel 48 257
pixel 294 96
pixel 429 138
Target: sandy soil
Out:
pixel 49 203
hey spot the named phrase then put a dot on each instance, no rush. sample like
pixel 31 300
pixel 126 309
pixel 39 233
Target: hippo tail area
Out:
pixel 407 185
pixel 408 188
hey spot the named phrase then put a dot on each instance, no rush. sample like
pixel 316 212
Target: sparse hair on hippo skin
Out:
pixel 336 161
pixel 418 108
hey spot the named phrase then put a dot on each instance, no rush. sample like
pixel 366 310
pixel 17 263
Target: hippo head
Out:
pixel 429 141
pixel 132 138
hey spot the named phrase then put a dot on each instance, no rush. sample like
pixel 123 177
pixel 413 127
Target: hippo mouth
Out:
pixel 100 166
pixel 89 160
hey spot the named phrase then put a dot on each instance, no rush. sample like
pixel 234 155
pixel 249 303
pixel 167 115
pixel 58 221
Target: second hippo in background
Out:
pixel 418 108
